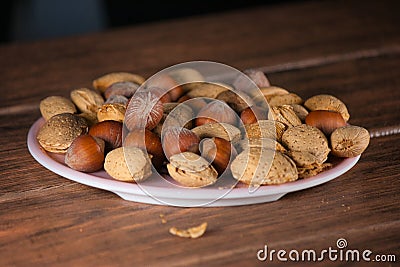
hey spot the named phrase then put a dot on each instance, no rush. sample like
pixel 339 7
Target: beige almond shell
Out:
pixel 306 172
pixel 349 141
pixel 111 112
pixel 187 77
pixel 222 130
pixel 287 99
pixel 58 133
pixel 129 164
pixel 268 92
pixel 54 105
pixel 103 82
pixel 307 138
pixel 268 143
pixel 87 101
pixel 261 166
pixel 205 89
pixel 303 158
pixel 191 170
pixel 265 129
pixel 286 115
pixel 237 100
pixel 327 102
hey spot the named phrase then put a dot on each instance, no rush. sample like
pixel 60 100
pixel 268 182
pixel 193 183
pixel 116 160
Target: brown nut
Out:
pixel 110 132
pixel 177 139
pixel 57 134
pixel 326 121
pixel 180 115
pixel 105 81
pixel 126 89
pixel 349 141
pixel 265 93
pixel 128 164
pixel 168 84
pixel 161 93
pixel 216 111
pixel 111 112
pixel 54 105
pixel 86 154
pixel 146 140
pixel 145 110
pixel 87 101
pixel 253 114
pixel 191 170
pixel 327 102
pixel 219 152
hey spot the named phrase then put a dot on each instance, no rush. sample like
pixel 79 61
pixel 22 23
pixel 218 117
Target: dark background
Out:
pixel 26 20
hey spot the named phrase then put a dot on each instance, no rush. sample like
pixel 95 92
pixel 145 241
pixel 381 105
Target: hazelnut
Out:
pixel 325 120
pixel 162 94
pixel 168 84
pixel 177 139
pixel 144 110
pixel 86 154
pixel 146 140
pixel 110 132
pixel 219 152
pixel 216 111
pixel 253 114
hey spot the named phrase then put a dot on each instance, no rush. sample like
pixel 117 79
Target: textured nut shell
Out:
pixel 258 77
pixel 286 115
pixel 91 118
pixel 126 89
pixel 300 111
pixel 204 89
pixel 306 172
pixel 103 82
pixel 238 100
pixel 191 170
pixel 116 164
pixel 303 158
pixel 111 112
pixel 307 138
pixel 221 130
pixel 57 134
pixel 287 99
pixel 268 143
pixel 178 115
pixel 216 111
pixel 265 129
pixel 87 100
pixel 261 166
pixel 349 141
pixel 54 105
pixel 327 102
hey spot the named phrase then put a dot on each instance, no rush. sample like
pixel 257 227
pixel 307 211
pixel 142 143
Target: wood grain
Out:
pixel 346 48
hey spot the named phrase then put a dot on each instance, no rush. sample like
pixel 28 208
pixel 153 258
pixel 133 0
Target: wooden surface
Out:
pixel 347 48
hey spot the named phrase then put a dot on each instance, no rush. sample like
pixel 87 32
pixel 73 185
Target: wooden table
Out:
pixel 347 48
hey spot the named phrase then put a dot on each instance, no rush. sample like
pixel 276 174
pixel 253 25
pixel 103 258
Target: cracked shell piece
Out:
pixel 192 232
pixel 349 141
pixel 286 115
pixel 111 112
pixel 57 134
pixel 307 138
pixel 261 166
pixel 300 111
pixel 191 170
pixel 327 102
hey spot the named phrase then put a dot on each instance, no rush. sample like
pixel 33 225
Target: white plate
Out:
pixel 153 191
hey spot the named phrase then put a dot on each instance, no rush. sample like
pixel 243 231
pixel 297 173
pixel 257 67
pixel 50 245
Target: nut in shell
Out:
pixel 191 170
pixel 126 89
pixel 54 105
pixel 187 77
pixel 206 89
pixel 216 111
pixel 268 143
pixel 110 132
pixel 111 112
pixel 87 101
pixel 85 154
pixel 218 152
pixel 237 100
pixel 327 102
pixel 129 164
pixel 223 130
pixel 57 134
pixel 261 166
pixel 349 141
pixel 307 138
pixel 325 120
pixel 177 139
pixel 286 115
pixel 265 129
pixel 105 81
pixel 287 99
pixel 253 114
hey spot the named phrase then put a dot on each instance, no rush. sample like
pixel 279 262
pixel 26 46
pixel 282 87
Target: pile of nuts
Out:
pixel 196 132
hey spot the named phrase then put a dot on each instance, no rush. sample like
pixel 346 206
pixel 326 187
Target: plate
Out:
pixel 154 191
